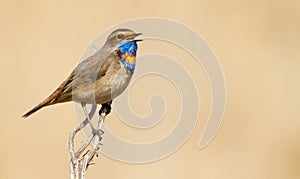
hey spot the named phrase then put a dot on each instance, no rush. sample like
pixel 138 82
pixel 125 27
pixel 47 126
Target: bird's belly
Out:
pixel 119 83
pixel 104 90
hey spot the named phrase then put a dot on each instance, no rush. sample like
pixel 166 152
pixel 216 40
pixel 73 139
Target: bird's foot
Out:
pixel 105 109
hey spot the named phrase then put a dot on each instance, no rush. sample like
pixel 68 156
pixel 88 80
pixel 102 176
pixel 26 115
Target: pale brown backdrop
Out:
pixel 257 43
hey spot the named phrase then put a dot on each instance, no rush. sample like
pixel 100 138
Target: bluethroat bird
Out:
pixel 101 77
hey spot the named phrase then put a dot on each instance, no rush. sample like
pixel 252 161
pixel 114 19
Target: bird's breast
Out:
pixel 120 81
pixel 113 83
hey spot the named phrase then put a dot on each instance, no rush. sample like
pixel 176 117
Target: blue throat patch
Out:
pixel 128 50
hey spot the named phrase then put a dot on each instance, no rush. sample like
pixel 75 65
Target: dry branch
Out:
pixel 82 158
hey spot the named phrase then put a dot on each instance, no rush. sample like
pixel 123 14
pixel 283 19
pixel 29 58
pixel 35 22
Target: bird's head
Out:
pixel 121 36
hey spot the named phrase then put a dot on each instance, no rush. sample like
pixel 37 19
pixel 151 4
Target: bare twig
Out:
pixel 82 158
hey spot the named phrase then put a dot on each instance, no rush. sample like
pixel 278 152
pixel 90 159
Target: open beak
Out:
pixel 135 35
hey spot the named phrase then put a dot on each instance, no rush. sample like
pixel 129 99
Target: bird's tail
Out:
pixel 46 102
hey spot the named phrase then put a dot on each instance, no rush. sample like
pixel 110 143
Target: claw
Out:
pixel 105 108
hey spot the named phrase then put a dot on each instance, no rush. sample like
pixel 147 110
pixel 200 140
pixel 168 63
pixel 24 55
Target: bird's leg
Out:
pixel 105 109
pixel 95 131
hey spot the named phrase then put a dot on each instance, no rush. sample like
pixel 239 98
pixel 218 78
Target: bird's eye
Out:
pixel 120 36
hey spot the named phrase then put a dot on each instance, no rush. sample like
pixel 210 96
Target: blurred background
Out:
pixel 257 43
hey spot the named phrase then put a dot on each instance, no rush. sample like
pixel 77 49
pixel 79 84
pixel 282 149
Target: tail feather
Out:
pixel 33 110
pixel 46 102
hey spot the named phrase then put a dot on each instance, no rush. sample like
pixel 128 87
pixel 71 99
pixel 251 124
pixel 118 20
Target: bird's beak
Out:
pixel 137 40
pixel 135 35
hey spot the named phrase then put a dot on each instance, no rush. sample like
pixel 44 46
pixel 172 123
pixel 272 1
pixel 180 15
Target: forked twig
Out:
pixel 82 158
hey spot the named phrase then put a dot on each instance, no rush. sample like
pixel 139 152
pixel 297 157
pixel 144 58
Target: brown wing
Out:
pixel 78 80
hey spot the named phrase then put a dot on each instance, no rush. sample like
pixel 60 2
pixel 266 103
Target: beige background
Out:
pixel 257 43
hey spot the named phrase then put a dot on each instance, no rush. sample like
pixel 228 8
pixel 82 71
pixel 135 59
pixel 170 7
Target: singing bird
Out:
pixel 102 76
